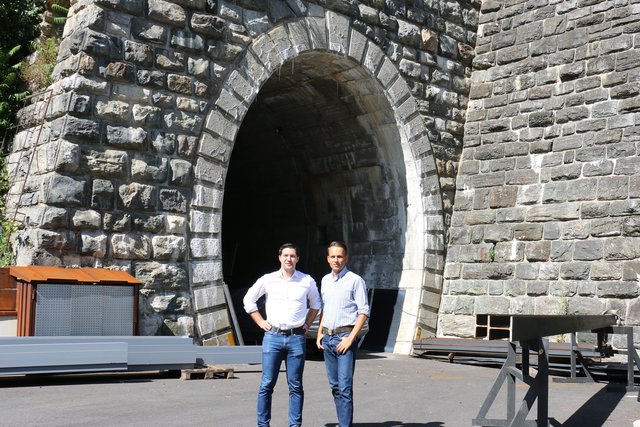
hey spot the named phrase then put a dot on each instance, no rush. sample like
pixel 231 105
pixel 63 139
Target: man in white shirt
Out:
pixel 292 303
pixel 345 311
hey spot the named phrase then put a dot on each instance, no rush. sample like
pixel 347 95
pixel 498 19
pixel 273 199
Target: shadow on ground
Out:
pixel 393 424
pixel 596 410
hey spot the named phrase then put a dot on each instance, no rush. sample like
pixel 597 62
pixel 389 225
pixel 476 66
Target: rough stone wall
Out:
pixel 546 216
pixel 123 166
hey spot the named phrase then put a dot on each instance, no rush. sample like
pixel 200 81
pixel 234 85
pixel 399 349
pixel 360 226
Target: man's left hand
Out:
pixel 344 345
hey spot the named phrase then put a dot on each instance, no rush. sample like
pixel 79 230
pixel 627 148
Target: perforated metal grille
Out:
pixel 83 310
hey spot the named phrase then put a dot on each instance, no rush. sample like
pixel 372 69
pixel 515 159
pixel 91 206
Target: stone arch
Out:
pixel 331 34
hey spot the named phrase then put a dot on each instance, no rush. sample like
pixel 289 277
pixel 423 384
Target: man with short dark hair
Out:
pixel 292 303
pixel 344 312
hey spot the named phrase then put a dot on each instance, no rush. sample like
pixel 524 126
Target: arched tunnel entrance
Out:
pixel 317 158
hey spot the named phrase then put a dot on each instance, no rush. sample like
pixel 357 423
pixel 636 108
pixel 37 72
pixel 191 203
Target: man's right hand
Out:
pixel 264 325
pixel 319 341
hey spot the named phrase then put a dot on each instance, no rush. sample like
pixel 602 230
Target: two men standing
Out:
pixel 289 293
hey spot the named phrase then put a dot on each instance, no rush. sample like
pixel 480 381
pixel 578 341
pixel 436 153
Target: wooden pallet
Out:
pixel 208 372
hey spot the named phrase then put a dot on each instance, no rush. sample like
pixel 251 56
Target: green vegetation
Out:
pixel 18 28
pixel 38 72
pixel 7 225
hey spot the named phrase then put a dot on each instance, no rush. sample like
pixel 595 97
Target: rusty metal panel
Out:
pixel 25 308
pixel 7 293
pixel 42 274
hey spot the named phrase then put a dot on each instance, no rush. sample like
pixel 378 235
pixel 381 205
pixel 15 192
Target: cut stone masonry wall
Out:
pixel 131 150
pixel 546 217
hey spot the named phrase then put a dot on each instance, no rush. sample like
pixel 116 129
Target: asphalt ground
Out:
pixel 390 390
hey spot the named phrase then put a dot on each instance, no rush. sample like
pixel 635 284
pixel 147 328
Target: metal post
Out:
pixel 511 384
pixel 630 349
pixel 542 380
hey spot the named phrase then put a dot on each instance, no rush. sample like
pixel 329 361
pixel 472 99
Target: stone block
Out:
pixel 528 271
pixel 93 243
pixel 503 197
pixel 583 189
pixel 618 289
pixel 209 172
pixel 145 168
pixel 620 248
pixel 63 191
pixel 86 220
pixel 206 271
pixel 208 296
pixel 509 251
pixel 166 12
pixel 631 227
pixel 208 25
pixel 460 305
pixel 169 302
pixel 136 196
pixel 497 271
pixel 514 288
pixel 180 172
pixel 605 227
pixel 491 305
pixel 527 232
pixel 498 233
pixel 606 270
pixel 564 212
pixel 149 31
pixel 204 222
pixel 48 218
pixel 130 246
pixel 161 276
pixel 588 250
pixel 205 247
pixel 210 322
pixel 457 325
pixel 338 29
pixel 468 287
pixel 168 247
pixel 116 221
pixel 148 222
pixel 173 200
pixel 538 251
pixel 575 270
pixel 126 137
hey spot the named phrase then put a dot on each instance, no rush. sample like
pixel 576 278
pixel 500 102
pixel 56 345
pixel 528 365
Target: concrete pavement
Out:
pixel 390 390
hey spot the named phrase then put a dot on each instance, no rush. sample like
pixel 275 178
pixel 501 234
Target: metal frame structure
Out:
pixel 632 355
pixel 531 331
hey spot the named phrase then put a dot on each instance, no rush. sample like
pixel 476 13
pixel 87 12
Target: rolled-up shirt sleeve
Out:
pixel 315 301
pixel 253 295
pixel 360 297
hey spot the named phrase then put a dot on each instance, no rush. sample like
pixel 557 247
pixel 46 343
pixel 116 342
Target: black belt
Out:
pixel 287 331
pixel 338 330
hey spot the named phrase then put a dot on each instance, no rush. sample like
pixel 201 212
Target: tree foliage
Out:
pixel 18 26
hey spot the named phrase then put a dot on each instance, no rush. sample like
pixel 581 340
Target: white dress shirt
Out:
pixel 287 299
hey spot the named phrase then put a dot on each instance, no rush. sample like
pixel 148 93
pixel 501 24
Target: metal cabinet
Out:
pixel 55 301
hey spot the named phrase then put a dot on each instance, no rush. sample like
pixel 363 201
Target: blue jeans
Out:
pixel 340 368
pixel 277 347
